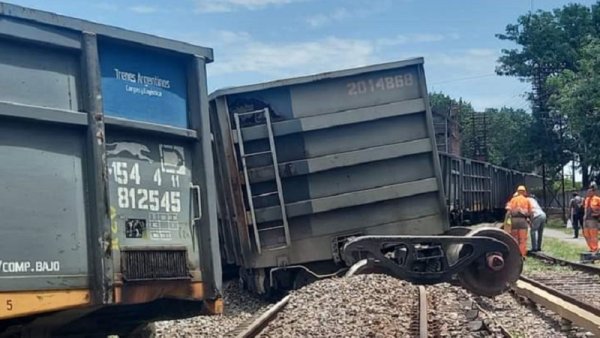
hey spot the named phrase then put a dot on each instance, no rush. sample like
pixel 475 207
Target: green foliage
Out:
pixel 534 266
pixel 557 185
pixel 561 249
pixel 442 103
pixel 548 42
pixel 508 140
pixel 507 130
pixel 551 38
pixel 577 96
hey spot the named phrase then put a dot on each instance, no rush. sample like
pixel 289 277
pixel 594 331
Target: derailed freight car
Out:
pixel 106 178
pixel 477 191
pixel 321 172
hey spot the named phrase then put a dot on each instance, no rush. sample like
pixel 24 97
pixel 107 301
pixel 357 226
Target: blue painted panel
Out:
pixel 144 86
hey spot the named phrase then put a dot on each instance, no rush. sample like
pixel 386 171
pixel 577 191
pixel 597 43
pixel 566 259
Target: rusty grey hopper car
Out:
pixel 322 172
pixel 477 191
pixel 107 217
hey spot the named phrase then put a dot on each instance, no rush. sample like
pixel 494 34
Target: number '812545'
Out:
pixel 379 84
pixel 148 199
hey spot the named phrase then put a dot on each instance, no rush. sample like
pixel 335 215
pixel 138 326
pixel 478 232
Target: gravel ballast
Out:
pixel 375 306
pixel 359 306
pixel 239 305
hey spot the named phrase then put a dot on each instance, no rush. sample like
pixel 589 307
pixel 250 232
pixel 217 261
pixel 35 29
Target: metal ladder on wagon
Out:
pixel 283 226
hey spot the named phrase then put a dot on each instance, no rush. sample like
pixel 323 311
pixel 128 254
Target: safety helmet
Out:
pixel 521 188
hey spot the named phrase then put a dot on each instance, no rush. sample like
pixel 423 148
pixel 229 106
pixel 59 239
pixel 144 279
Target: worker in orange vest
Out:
pixel 591 217
pixel 507 226
pixel 520 211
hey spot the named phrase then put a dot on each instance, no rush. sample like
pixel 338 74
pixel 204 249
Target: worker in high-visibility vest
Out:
pixel 591 218
pixel 520 210
pixel 507 225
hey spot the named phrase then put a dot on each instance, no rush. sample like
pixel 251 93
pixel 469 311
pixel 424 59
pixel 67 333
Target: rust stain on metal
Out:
pixel 142 292
pixel 214 307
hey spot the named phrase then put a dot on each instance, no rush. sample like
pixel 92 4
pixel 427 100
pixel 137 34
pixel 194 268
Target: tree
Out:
pixel 548 42
pixel 577 96
pixel 445 107
pixel 505 127
pixel 506 142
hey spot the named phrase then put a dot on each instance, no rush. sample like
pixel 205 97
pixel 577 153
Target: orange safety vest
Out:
pixel 519 206
pixel 592 206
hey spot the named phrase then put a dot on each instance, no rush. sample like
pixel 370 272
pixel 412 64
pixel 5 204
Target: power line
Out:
pixel 465 78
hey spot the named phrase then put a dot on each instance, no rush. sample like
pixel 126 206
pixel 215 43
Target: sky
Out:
pixel 262 40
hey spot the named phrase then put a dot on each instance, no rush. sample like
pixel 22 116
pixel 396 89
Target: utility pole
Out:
pixel 564 204
pixel 573 171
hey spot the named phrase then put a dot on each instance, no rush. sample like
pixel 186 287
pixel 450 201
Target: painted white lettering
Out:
pixel 125 76
pixel 12 267
pixel 53 266
pixel 153 81
pixel 380 84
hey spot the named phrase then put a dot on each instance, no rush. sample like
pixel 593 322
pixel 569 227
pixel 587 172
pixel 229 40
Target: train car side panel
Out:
pixel 354 154
pixel 107 193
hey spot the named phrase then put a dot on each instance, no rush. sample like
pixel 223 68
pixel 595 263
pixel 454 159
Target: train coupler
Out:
pixel 485 260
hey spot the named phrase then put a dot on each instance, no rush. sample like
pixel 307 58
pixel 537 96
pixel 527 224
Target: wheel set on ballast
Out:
pixel 493 274
pixel 485 261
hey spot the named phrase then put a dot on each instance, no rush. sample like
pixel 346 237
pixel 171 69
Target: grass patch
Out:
pixel 558 225
pixel 560 249
pixel 535 266
pixel 555 248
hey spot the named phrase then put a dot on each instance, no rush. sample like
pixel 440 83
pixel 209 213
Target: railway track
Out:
pixel 573 291
pixel 577 281
pixel 254 327
pixel 559 261
pixel 429 317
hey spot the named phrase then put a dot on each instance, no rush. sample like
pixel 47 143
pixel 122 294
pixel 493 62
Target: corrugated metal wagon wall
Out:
pixel 478 191
pixel 106 171
pixel 354 152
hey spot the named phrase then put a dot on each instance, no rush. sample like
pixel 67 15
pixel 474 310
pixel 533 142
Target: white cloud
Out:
pixel 475 61
pixel 216 6
pixel 230 37
pixel 243 59
pixel 321 19
pixel 402 39
pixel 105 6
pixel 359 9
pixel 245 54
pixel 143 9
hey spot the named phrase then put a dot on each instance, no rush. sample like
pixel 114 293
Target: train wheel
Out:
pixel 493 274
pixel 458 231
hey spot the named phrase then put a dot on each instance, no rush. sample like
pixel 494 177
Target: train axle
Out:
pixel 486 261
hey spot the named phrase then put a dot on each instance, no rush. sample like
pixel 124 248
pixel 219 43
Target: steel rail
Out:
pixel 562 295
pixel 566 306
pixel 574 265
pixel 255 327
pixel 423 315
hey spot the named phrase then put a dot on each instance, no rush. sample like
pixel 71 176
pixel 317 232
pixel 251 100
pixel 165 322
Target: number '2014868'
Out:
pixel 379 84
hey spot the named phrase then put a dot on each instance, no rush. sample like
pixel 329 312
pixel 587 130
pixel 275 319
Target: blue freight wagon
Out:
pixel 107 188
